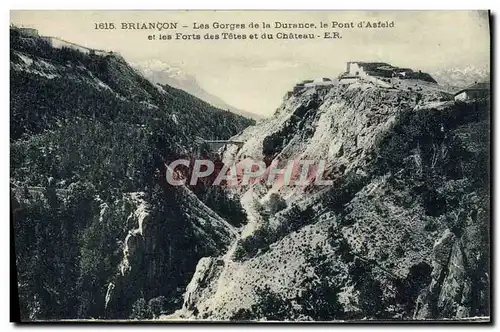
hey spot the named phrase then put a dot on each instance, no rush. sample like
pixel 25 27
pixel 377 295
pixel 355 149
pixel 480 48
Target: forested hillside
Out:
pixel 89 139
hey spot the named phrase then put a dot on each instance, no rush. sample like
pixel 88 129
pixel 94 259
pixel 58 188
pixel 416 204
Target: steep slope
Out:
pixel 401 234
pixel 97 222
pixel 161 73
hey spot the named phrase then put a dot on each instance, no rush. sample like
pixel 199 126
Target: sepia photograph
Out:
pixel 175 166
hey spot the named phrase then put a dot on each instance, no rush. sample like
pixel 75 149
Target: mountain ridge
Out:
pixel 160 72
pixel 90 137
pixel 460 77
pixel 387 241
pixel 402 234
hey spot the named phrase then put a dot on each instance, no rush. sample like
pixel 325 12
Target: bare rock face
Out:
pixel 456 286
pixel 395 237
pixel 443 246
pixel 118 235
pixel 450 294
pixel 161 273
pixel 208 268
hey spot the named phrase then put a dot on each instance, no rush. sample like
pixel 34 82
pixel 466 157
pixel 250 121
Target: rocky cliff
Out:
pixel 401 234
pixel 97 229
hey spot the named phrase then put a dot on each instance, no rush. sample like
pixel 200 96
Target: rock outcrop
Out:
pixel 97 227
pixel 391 239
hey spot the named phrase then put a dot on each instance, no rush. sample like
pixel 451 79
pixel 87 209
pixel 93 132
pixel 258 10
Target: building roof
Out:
pixel 384 69
pixel 370 65
pixel 390 68
pixel 475 87
pixel 348 76
pixel 403 70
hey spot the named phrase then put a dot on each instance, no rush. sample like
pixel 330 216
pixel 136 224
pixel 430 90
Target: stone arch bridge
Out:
pixel 217 144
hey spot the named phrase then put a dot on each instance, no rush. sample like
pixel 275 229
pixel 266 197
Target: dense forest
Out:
pixel 89 135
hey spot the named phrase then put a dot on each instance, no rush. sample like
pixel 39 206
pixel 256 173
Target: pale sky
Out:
pixel 253 75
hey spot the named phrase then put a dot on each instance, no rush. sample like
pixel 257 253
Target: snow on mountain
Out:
pixel 461 77
pixel 160 72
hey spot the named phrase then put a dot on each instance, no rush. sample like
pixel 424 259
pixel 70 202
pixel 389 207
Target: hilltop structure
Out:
pixel 380 74
pixel 323 81
pixel 382 69
pixel 474 91
pixel 29 32
pixel 57 42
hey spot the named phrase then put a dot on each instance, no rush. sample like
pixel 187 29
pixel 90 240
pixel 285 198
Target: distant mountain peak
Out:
pixel 153 66
pixel 460 77
pixel 161 72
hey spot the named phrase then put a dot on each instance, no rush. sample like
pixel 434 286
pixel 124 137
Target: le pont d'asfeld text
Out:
pixel 233 31
pixel 159 26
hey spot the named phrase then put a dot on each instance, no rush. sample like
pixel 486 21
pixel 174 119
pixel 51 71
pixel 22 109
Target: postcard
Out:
pixel 250 166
